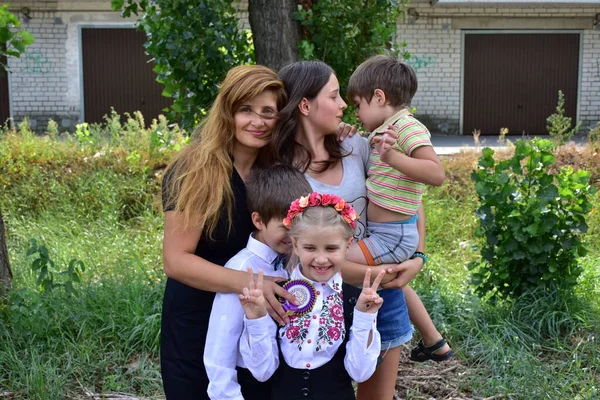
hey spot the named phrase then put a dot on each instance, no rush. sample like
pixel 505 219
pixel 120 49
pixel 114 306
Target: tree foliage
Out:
pixel 12 40
pixel 532 221
pixel 193 44
pixel 344 33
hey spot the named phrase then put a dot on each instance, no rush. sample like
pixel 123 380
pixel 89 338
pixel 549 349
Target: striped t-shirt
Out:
pixel 387 187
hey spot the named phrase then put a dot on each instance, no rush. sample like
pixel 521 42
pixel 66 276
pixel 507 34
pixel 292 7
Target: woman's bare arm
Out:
pixel 181 264
pixel 184 266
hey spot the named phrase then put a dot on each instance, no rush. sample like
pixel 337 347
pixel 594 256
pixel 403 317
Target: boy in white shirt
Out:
pixel 270 193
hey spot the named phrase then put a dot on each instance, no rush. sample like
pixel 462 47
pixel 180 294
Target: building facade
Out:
pixel 481 65
pixel 490 64
pixel 85 59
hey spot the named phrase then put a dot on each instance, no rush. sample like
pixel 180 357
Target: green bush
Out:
pixel 594 137
pixel 100 169
pixel 532 221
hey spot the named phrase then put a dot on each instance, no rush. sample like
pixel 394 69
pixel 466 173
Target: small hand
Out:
pixel 369 301
pixel 389 276
pixel 405 272
pixel 252 298
pixel 271 292
pixel 345 130
pixel 383 143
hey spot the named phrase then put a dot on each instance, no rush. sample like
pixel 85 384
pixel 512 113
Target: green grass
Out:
pixel 104 211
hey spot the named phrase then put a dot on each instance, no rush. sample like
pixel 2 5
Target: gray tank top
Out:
pixel 353 186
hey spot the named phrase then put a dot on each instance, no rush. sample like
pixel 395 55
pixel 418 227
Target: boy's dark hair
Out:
pixel 272 190
pixel 395 78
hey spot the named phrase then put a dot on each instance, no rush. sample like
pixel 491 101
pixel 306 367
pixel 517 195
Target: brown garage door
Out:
pixel 116 73
pixel 512 80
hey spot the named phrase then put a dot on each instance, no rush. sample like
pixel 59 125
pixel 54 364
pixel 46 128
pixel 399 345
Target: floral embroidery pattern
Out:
pixel 297 330
pixel 331 323
pixel 331 327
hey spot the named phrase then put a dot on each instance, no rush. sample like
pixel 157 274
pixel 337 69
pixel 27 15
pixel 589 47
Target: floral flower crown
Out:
pixel 317 199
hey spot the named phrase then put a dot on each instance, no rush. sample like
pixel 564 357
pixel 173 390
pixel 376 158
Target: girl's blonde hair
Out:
pixel 200 183
pixel 316 218
pixel 319 217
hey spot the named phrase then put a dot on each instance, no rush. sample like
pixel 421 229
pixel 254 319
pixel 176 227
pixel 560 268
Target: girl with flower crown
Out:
pixel 331 338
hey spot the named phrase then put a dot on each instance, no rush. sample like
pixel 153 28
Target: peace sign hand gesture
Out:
pixel 252 299
pixel 369 301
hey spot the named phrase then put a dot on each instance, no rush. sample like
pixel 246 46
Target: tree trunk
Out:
pixel 275 31
pixel 5 271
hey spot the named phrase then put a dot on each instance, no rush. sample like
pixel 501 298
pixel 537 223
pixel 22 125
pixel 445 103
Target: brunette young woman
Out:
pixel 305 137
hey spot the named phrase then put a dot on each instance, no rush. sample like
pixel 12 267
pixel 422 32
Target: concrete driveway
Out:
pixel 451 144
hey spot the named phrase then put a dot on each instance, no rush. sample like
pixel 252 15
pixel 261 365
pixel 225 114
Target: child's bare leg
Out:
pixel 356 255
pixel 382 384
pixel 421 320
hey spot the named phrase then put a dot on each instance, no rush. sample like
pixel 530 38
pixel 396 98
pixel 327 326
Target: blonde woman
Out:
pixel 207 222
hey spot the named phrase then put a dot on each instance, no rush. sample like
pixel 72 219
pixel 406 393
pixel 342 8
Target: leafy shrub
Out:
pixel 532 221
pixel 14 40
pixel 52 129
pixel 559 125
pixel 44 266
pixel 101 168
pixel 193 44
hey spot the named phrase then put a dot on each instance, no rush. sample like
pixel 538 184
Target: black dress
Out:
pixel 186 310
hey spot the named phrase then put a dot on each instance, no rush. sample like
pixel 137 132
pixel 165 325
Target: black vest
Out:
pixel 328 382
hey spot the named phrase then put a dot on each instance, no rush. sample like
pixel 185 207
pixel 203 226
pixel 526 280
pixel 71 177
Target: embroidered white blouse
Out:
pixel 221 354
pixel 311 340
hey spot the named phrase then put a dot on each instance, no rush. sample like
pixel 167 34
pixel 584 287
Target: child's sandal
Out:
pixel 422 353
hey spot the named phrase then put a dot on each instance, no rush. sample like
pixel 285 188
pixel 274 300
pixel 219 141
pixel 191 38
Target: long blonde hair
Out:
pixel 200 183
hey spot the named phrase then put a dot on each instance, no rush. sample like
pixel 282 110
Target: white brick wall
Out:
pixel 435 57
pixel 589 103
pixel 39 80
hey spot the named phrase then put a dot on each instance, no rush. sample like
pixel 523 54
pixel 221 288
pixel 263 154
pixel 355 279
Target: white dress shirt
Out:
pixel 221 354
pixel 311 340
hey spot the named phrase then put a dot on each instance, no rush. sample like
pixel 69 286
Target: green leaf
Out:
pixel 27 38
pixel 116 5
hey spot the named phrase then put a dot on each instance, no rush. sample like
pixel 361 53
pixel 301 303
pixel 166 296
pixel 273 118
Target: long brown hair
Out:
pixel 201 172
pixel 302 79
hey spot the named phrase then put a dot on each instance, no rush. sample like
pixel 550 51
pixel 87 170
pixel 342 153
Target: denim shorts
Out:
pixel 390 242
pixel 393 322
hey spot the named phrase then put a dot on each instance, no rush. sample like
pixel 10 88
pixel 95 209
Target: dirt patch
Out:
pixel 431 380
